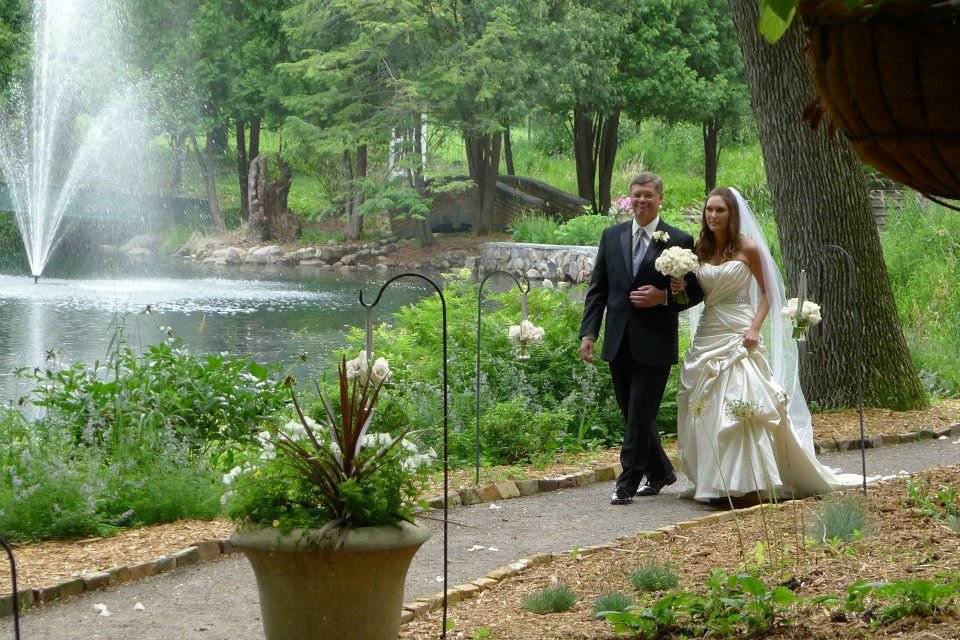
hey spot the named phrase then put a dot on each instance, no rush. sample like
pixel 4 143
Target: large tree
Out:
pixel 820 197
pixel 14 43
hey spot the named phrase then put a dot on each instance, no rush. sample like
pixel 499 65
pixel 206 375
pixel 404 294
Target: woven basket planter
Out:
pixel 889 80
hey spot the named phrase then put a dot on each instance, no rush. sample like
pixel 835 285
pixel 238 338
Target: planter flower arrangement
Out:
pixel 802 318
pixel 325 515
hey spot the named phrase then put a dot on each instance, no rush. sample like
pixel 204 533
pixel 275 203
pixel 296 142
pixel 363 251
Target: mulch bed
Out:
pixel 901 544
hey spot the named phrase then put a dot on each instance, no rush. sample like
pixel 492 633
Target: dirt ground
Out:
pixel 899 544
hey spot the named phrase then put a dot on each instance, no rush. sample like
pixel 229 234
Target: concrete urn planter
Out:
pixel 342 584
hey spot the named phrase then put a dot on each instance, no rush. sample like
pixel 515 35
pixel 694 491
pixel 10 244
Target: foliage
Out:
pixel 733 605
pixel 550 600
pixel 883 603
pixel 513 434
pixel 921 247
pixel 844 520
pixel 943 505
pixel 204 400
pixel 654 576
pixel 335 474
pixel 552 381
pixel 134 474
pixel 582 230
pixel 614 601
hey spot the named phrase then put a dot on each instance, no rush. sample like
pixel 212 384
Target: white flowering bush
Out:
pixel 334 472
pixel 677 262
pixel 523 336
pixel 802 319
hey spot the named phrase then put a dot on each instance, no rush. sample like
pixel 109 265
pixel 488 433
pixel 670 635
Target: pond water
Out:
pixel 273 315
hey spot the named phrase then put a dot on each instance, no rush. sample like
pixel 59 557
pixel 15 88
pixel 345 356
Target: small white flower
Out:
pixel 138 607
pixel 439 579
pixel 380 370
pixel 494 549
pixel 476 547
pixel 101 609
pixel 742 410
pixel 661 237
pixel 494 506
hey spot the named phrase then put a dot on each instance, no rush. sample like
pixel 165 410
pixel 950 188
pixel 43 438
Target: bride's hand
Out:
pixel 751 338
pixel 677 285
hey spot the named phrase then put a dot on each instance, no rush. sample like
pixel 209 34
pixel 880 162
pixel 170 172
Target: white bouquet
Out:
pixel 677 262
pixel 523 335
pixel 803 318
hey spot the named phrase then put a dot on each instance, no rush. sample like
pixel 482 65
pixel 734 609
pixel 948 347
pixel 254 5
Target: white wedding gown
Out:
pixel 756 449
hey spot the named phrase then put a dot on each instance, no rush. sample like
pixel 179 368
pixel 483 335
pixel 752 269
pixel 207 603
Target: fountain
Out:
pixel 76 125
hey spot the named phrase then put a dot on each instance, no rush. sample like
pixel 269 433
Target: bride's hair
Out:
pixel 706 246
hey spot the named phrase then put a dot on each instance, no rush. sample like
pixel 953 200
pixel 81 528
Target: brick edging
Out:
pixel 507 489
pixel 204 551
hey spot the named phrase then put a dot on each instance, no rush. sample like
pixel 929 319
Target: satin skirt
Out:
pixel 734 428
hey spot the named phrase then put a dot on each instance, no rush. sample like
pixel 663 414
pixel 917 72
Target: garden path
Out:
pixel 218 600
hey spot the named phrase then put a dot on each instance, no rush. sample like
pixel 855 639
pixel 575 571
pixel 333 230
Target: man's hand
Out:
pixel 647 296
pixel 586 349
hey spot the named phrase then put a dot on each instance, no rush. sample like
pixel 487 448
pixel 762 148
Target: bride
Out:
pixel 743 426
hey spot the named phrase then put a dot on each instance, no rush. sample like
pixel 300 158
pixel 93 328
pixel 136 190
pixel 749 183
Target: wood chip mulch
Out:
pixel 47 563
pixel 845 425
pixel 900 544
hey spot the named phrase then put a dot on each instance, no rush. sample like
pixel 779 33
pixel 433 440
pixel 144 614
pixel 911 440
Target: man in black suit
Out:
pixel 641 332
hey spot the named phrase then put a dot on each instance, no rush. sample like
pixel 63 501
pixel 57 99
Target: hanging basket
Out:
pixel 888 78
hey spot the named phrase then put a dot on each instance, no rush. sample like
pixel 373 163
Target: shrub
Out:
pixel 614 601
pixel 512 433
pixel 583 230
pixel 845 519
pixel 536 229
pixel 550 600
pixel 654 576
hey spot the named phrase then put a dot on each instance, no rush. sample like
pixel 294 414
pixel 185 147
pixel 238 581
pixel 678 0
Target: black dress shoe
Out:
pixel 617 498
pixel 653 487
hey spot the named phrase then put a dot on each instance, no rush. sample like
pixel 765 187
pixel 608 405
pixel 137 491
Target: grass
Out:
pixel 551 600
pixel 615 601
pixel 843 520
pixel 654 576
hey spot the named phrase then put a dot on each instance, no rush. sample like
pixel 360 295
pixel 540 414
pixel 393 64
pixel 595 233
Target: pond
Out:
pixel 277 315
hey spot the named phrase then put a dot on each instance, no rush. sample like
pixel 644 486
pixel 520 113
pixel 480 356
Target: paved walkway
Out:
pixel 218 600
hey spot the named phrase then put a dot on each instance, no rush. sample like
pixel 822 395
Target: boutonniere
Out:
pixel 661 237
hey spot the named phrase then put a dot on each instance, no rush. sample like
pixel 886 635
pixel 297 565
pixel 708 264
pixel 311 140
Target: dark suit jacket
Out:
pixel 652 332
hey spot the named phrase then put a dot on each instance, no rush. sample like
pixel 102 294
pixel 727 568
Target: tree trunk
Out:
pixel 820 197
pixel 354 192
pixel 607 155
pixel 217 140
pixel 243 168
pixel 711 154
pixel 419 182
pixel 270 218
pixel 208 172
pixel 483 156
pixel 583 137
pixel 254 138
pixel 178 154
pixel 508 152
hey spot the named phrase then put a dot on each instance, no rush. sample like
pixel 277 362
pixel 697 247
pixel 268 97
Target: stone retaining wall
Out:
pixel 563 263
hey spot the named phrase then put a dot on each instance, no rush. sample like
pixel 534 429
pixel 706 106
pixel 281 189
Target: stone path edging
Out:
pixel 208 550
pixel 507 489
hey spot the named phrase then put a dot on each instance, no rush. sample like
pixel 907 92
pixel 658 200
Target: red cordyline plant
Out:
pixel 344 460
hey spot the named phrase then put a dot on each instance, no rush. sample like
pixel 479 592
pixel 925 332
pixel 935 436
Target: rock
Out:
pixel 470 262
pixel 230 255
pixel 348 259
pixel 266 255
pixel 312 262
pixel 143 241
pixel 548 284
pixel 307 253
pixel 533 274
pixel 344 269
pixel 141 253
pixel 382 268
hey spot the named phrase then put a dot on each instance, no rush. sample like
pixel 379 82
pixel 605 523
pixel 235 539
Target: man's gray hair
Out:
pixel 647 177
